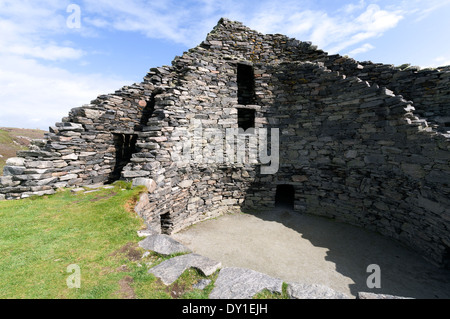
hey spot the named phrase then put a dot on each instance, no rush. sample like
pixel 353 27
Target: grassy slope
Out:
pixel 14 139
pixel 41 237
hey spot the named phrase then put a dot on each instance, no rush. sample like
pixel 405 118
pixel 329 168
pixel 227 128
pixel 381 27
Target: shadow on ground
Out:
pixel 352 250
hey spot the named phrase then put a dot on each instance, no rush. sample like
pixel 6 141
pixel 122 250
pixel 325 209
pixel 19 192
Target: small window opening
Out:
pixel 285 196
pixel 246 118
pixel 246 84
pixel 125 145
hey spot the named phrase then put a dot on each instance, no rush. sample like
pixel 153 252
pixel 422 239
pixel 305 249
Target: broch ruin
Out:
pixel 363 143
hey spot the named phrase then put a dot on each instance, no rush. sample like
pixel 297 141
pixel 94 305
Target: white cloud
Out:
pixel 35 94
pixel 330 31
pixel 351 7
pixel 372 23
pixel 440 61
pixel 362 49
pixel 38 95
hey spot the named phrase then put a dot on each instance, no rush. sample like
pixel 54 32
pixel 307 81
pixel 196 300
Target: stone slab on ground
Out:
pixel 370 295
pixel 313 291
pixel 163 244
pixel 169 271
pixel 242 283
pixel 201 284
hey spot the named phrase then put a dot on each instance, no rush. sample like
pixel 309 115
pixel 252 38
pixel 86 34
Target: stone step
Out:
pixel 163 244
pixel 314 291
pixel 169 271
pixel 242 283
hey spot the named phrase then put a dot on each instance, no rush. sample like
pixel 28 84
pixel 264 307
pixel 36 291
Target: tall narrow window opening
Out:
pixel 246 84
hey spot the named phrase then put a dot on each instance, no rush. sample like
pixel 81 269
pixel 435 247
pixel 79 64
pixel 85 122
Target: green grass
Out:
pixel 41 236
pixel 266 294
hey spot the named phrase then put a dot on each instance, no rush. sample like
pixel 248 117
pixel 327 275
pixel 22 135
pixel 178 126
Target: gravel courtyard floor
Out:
pixel 309 249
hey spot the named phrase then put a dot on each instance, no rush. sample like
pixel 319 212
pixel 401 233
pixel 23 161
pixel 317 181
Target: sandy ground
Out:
pixel 309 249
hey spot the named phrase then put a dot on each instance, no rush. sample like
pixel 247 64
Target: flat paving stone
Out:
pixel 369 295
pixel 242 283
pixel 201 284
pixel 313 291
pixel 163 244
pixel 169 271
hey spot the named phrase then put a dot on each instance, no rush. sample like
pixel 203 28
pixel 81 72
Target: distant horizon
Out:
pixel 61 54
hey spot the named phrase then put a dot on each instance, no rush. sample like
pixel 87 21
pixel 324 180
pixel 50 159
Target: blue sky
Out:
pixel 49 65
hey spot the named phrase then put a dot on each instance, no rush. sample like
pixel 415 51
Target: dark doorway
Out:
pixel 246 118
pixel 125 145
pixel 166 223
pixel 285 196
pixel 246 84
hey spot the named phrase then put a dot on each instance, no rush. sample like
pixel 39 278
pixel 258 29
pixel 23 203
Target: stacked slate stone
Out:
pixel 351 143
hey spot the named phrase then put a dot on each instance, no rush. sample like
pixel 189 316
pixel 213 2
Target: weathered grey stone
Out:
pixel 67 126
pixel 369 295
pixel 39 164
pixel 163 244
pixel 40 153
pixel 201 284
pixel 313 291
pixel 147 182
pixel 13 170
pixel 299 178
pixel 351 154
pixel 15 161
pixel 73 157
pixel 169 271
pixel 68 177
pixel 241 283
pixel 133 174
pixel 186 183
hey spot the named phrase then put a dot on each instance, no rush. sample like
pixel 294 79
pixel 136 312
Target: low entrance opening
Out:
pixel 166 223
pixel 125 145
pixel 285 196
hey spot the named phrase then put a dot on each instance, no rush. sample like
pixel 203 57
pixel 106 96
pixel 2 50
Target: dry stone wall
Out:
pixel 352 144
